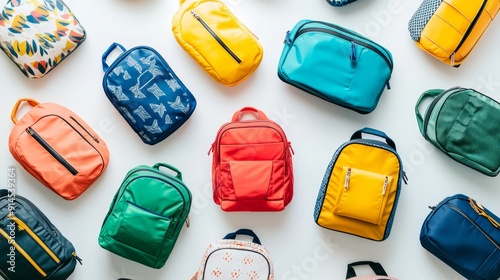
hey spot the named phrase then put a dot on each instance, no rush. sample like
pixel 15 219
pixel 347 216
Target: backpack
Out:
pixel 449 30
pixel 217 40
pixel 252 166
pixel 463 124
pixel 146 215
pixel 233 259
pixel 361 187
pixel 464 235
pixel 57 147
pixel 146 92
pixel 32 247
pixel 375 266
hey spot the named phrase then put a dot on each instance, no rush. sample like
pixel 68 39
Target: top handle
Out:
pixel 375 266
pixel 432 93
pixel 375 132
pixel 31 102
pixel 162 164
pixel 105 55
pixel 244 231
pixel 259 113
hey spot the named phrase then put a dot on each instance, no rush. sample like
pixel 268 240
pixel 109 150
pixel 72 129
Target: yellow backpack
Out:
pixel 449 29
pixel 361 187
pixel 209 32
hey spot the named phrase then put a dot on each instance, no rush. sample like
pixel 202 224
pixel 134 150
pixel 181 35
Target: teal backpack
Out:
pixel 146 215
pixel 464 124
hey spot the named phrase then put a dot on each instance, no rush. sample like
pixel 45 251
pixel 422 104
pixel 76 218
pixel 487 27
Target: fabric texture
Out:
pixel 37 35
pixel 421 17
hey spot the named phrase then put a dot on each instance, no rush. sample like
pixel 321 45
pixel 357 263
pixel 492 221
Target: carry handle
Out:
pixel 162 164
pixel 107 52
pixel 260 114
pixel 432 93
pixel 31 102
pixel 375 266
pixel 372 131
pixel 243 231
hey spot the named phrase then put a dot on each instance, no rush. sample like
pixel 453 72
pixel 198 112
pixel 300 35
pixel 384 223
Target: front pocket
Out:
pixel 363 194
pixel 142 229
pixel 251 179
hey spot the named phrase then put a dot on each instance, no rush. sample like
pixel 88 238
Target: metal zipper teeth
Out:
pixel 347 38
pixel 91 136
pixel 471 27
pixel 431 107
pixel 23 226
pixel 241 249
pixel 216 37
pixel 51 151
pixel 23 253
pixel 474 224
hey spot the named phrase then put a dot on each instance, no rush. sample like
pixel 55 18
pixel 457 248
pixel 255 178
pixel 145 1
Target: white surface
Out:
pixel 300 249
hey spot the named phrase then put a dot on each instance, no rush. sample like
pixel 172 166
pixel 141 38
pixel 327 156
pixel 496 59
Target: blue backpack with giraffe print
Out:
pixel 147 93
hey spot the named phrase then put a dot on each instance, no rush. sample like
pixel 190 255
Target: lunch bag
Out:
pixel 361 187
pixel 252 167
pixel 335 64
pixel 216 39
pixel 230 258
pixel 465 235
pixel 37 35
pixel 464 124
pixel 32 247
pixel 449 30
pixel 57 147
pixel 146 215
pixel 375 266
pixel 146 92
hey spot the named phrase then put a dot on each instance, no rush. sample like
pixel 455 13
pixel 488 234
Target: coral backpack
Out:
pixel 252 164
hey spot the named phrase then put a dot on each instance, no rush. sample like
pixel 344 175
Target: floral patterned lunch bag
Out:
pixel 38 34
pixel 236 259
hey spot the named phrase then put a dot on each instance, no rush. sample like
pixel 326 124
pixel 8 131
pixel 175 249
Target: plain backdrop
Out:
pixel 300 249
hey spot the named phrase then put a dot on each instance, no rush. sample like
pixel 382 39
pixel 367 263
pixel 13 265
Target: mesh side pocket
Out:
pixel 339 3
pixel 421 17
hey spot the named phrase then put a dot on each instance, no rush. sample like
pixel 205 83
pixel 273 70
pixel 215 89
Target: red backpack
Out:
pixel 252 165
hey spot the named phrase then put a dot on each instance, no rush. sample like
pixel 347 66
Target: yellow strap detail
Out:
pixel 479 209
pixel 25 255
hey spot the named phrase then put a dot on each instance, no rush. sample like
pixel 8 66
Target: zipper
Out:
pixel 23 253
pixel 431 107
pixel 474 224
pixel 91 136
pixel 467 33
pixel 149 211
pixel 51 150
pixel 347 38
pixel 386 181
pixel 23 226
pixel 347 177
pixel 216 37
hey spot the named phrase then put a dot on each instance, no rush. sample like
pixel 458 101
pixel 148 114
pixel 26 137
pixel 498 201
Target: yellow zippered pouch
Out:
pixel 214 37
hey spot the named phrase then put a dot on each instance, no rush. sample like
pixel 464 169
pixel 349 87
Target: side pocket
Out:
pixel 363 195
pixel 142 229
pixel 457 131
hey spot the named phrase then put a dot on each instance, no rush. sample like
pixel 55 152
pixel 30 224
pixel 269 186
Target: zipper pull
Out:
pixel 452 62
pixel 347 176
pixel 405 178
pixel 291 149
pixel 287 38
pixel 388 85
pixel 386 181
pixel 432 208
pixel 353 51
pixel 195 15
pixel 188 223
pixel 211 149
pixel 30 131
pixel 77 257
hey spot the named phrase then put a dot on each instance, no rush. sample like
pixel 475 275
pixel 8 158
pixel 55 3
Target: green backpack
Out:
pixel 465 125
pixel 146 215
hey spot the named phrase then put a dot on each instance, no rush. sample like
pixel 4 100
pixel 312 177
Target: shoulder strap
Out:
pixel 375 266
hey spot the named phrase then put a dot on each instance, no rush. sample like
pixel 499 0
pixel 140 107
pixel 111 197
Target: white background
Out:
pixel 300 249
